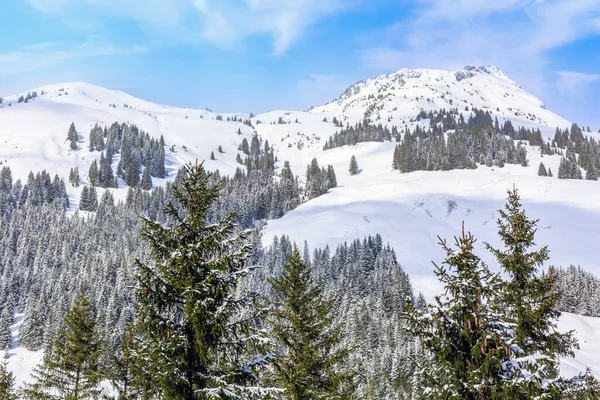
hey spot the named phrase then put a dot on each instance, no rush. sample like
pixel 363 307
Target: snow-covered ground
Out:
pixel 408 210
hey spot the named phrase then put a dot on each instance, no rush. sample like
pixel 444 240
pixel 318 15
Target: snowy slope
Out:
pixel 408 210
pixel 397 98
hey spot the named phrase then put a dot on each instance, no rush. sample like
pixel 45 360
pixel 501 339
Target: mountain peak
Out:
pixel 399 96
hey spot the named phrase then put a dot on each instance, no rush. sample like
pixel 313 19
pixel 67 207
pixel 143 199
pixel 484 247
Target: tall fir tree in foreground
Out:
pixel 7 381
pixel 529 297
pixel 310 362
pixel 464 337
pixel 71 370
pixel 194 333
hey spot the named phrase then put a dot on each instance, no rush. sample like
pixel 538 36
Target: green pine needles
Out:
pixel 71 370
pixel 310 362
pixel 195 334
pixel 494 338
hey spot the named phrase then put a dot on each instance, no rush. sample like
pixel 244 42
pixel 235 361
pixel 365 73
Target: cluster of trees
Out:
pixel 361 132
pixel 26 98
pixel 194 335
pixel 369 287
pixel 40 189
pixel 577 151
pixel 492 337
pixel 136 148
pixel 89 199
pixel 258 156
pixel 460 149
pixel 319 179
pixel 579 291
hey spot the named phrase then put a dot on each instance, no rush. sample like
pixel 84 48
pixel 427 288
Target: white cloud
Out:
pixel 40 56
pixel 573 83
pixel 220 22
pixel 517 35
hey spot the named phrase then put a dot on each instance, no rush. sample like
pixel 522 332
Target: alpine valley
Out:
pixel 364 185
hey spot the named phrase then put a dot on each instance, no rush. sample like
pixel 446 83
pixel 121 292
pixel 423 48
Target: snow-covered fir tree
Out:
pixel 195 341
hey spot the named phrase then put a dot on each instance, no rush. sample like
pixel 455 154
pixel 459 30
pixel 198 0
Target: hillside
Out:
pixel 409 210
pixel 398 97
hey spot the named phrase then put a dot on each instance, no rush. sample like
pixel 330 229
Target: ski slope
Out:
pixel 408 210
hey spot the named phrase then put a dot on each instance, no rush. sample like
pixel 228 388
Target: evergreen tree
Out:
pixel 74 176
pixel 542 170
pixel 7 381
pixel 72 137
pixel 529 298
pixel 71 369
pixel 94 174
pixel 353 166
pixel 466 339
pixel 310 361
pixel 92 199
pixel 212 155
pixel 6 320
pixel 591 174
pixel 84 200
pixel 146 179
pixel 550 173
pixel 193 338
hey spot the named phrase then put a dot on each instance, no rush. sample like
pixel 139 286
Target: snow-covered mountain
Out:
pixel 398 97
pixel 408 210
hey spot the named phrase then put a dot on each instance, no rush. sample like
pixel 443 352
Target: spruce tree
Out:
pixel 310 363
pixel 542 170
pixel 7 381
pixel 146 179
pixel 528 298
pixel 72 137
pixel 194 331
pixel 353 169
pixel 6 320
pixel 71 369
pixel 465 338
pixel 94 174
pixel 212 155
pixel 84 200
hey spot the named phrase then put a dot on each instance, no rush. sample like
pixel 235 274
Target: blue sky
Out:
pixel 258 55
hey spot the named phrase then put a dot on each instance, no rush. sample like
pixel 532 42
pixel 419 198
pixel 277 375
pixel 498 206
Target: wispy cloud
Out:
pixel 573 83
pixel 518 35
pixel 43 55
pixel 224 23
pixel 508 32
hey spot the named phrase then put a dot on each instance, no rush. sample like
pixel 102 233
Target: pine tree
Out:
pixel 129 382
pixel 353 169
pixel 72 137
pixel 92 199
pixel 71 369
pixel 94 174
pixel 193 337
pixel 528 298
pixel 542 170
pixel 311 361
pixel 465 338
pixel 550 173
pixel 6 320
pixel 84 200
pixel 212 155
pixel 146 179
pixel 591 174
pixel 7 381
